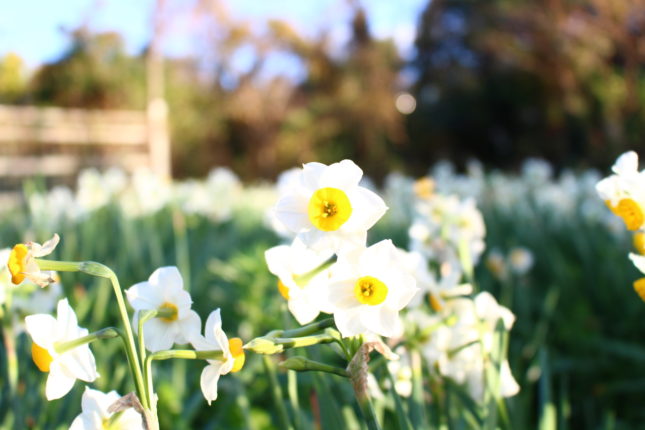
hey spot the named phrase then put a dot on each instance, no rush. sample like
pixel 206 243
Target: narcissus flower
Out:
pixel 299 283
pixel 369 287
pixel 22 262
pixel 327 208
pixel 624 192
pixel 64 367
pixel 164 292
pixel 95 415
pixel 215 339
pixel 459 348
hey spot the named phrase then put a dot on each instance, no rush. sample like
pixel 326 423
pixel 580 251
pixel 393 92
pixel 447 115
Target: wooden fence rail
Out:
pixel 56 142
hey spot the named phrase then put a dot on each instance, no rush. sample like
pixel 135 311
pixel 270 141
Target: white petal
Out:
pixel 42 328
pixel 388 323
pixel 130 420
pixel 638 260
pixel 200 343
pixel 367 209
pixel 213 324
pixel 188 327
pixel 303 311
pixel 179 298
pixel 79 363
pixel 159 335
pixel 509 386
pixel 349 323
pixel 167 278
pixel 79 424
pixel 92 401
pixel 341 295
pixel 46 248
pixel 208 381
pixel 143 296
pixel 58 382
pixel 67 321
pixel 311 173
pixel 343 175
pixel 277 259
pixel 626 164
pixel 291 210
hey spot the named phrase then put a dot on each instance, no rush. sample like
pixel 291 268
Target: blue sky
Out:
pixel 35 28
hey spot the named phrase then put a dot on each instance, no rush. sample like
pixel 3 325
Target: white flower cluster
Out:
pixel 329 212
pixel 366 288
pixel 142 194
pixel 624 194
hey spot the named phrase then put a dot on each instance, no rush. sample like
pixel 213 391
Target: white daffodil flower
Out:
pixel 639 284
pixel 215 339
pixel 369 287
pixel 66 367
pixel 95 415
pixel 22 262
pixel 459 347
pixel 303 288
pixel 436 290
pixel 624 193
pixel 164 291
pixel 328 209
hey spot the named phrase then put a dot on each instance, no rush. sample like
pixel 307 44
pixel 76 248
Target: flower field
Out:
pixel 453 301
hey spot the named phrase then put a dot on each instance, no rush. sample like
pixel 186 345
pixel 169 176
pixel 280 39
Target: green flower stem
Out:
pixel 106 333
pixel 102 271
pixel 308 329
pixel 9 337
pixel 300 342
pixel 276 393
pixel 144 315
pixel 367 409
pixel 302 364
pixel 187 354
pixel 60 266
pixel 276 345
pixel 302 280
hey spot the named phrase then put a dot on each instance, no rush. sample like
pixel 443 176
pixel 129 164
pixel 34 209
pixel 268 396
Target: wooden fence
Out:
pixel 56 143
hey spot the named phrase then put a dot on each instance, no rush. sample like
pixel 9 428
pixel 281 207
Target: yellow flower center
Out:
pixel 424 188
pixel 630 212
pixel 17 263
pixel 283 289
pixel 170 312
pixel 435 304
pixel 370 291
pixel 639 242
pixel 235 346
pixel 639 287
pixel 329 209
pixel 41 357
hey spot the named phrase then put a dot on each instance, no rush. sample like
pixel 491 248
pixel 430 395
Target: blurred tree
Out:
pixel 95 72
pixel 503 80
pixel 13 78
pixel 345 106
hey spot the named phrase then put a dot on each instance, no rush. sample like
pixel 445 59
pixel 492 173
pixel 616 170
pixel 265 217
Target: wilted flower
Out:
pixel 95 415
pixel 22 262
pixel 66 367
pixel 215 339
pixel 328 209
pixel 164 292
